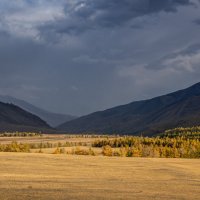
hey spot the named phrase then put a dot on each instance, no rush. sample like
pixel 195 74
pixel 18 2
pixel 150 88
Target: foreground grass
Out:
pixel 49 177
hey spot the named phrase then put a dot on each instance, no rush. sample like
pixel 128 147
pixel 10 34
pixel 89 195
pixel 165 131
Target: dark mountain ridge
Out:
pixel 53 119
pixel 13 118
pixel 181 108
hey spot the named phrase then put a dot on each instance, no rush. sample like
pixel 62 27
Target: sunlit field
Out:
pixel 175 143
pixel 99 167
pixel 47 176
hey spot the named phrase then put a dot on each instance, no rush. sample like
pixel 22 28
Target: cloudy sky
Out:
pixel 79 56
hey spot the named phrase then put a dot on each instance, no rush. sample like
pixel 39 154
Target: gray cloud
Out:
pixel 197 21
pixel 166 73
pixel 125 51
pixel 92 14
pixel 185 59
pixel 116 12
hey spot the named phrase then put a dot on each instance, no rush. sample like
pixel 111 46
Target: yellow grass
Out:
pixel 68 150
pixel 55 177
pixel 54 138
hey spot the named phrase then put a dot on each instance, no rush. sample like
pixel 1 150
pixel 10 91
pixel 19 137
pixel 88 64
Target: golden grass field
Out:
pixel 61 177
pixel 53 138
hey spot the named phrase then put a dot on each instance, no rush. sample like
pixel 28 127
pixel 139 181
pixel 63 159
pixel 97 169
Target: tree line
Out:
pixel 175 143
pixel 19 134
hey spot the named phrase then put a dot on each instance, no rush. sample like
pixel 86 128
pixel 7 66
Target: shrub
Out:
pixel 78 151
pixel 107 150
pixel 57 151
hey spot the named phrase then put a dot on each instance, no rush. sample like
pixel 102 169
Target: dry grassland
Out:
pixel 62 177
pixel 54 138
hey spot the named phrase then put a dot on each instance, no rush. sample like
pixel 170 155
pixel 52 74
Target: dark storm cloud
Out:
pixel 91 14
pixel 197 21
pixel 79 56
pixel 116 12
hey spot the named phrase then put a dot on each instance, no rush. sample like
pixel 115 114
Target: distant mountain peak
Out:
pixel 13 118
pixel 181 108
pixel 53 119
pixel 195 87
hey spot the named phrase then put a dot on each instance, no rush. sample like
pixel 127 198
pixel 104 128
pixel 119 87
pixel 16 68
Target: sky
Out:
pixel 80 56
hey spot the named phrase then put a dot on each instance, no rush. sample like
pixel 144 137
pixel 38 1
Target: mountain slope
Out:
pixel 181 108
pixel 13 118
pixel 53 119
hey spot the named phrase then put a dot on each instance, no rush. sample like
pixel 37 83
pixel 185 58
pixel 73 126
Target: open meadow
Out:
pixel 44 138
pixel 95 167
pixel 46 176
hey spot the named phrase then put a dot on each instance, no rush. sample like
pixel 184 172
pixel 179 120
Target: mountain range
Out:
pixel 147 117
pixel 53 119
pixel 13 118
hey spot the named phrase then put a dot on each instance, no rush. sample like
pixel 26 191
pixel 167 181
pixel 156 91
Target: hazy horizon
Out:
pixel 97 110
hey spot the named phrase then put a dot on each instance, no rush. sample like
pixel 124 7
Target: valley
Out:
pixel 97 167
pixel 99 100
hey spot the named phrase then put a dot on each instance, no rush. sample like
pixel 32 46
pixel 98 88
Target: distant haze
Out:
pixel 79 56
pixel 53 119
